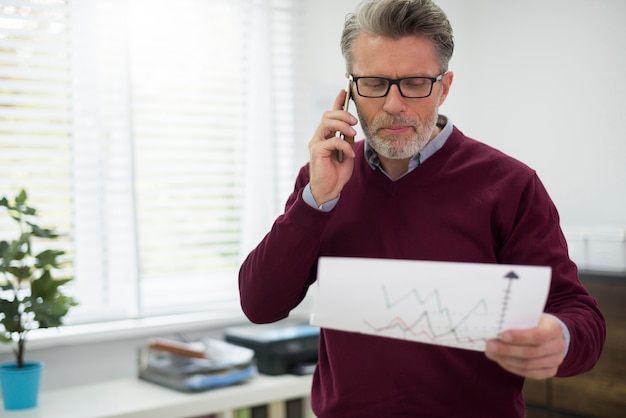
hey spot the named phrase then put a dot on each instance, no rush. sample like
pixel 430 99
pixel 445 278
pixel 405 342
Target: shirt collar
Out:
pixel 432 147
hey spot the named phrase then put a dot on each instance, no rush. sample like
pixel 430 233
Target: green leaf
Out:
pixel 11 316
pixel 49 311
pixel 46 301
pixel 19 249
pixel 4 250
pixel 45 287
pixel 49 314
pixel 20 272
pixel 48 259
pixel 42 232
pixel 21 198
pixel 27 210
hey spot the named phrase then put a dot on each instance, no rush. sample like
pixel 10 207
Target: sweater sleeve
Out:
pixel 276 275
pixel 536 238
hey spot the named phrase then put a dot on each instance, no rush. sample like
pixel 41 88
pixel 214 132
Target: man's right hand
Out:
pixel 328 174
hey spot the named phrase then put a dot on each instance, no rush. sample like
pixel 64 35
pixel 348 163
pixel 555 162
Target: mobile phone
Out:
pixel 346 105
pixel 346 102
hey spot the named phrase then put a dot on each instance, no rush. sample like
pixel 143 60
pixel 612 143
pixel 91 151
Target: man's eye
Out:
pixel 374 83
pixel 415 83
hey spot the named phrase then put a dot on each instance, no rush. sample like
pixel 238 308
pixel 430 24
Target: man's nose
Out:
pixel 394 101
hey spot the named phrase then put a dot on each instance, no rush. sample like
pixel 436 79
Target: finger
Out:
pixel 347 149
pixel 334 123
pixel 538 368
pixel 554 347
pixel 535 367
pixel 339 147
pixel 504 353
pixel 339 100
pixel 536 361
pixel 548 329
pixel 328 148
pixel 349 140
pixel 533 373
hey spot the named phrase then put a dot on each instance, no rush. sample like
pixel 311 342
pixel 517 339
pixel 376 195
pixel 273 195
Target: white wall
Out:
pixel 542 80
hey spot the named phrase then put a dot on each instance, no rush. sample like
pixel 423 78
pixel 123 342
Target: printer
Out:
pixel 279 348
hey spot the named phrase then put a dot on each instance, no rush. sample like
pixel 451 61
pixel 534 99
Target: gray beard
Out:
pixel 396 147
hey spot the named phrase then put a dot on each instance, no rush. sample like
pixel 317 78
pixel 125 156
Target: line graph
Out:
pixel 437 324
pixel 459 305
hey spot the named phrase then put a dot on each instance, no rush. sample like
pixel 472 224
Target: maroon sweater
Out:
pixel 468 202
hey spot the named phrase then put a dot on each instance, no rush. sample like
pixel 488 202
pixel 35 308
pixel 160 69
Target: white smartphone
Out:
pixel 346 103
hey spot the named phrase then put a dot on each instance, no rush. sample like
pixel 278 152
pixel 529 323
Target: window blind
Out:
pixel 142 128
pixel 35 129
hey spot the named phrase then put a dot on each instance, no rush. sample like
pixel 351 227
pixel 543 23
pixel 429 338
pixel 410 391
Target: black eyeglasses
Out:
pixel 410 87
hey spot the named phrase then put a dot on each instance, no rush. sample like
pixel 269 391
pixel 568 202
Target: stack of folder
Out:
pixel 195 366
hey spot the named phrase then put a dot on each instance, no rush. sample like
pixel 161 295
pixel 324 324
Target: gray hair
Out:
pixel 396 19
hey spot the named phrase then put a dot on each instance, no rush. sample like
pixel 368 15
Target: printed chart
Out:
pixel 452 304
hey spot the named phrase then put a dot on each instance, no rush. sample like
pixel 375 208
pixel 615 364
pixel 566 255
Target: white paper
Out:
pixel 451 304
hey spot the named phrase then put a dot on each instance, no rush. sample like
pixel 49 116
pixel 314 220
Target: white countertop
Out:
pixel 134 398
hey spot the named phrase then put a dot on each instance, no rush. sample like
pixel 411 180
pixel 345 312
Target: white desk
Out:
pixel 134 398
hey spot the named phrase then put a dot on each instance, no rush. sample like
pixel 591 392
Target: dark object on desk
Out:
pixel 279 348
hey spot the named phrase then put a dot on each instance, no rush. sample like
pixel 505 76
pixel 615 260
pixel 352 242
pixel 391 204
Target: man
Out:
pixel 417 188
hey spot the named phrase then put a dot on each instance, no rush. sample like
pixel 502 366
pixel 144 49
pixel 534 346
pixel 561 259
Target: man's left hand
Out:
pixel 535 353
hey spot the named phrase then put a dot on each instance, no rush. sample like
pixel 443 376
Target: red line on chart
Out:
pixel 398 322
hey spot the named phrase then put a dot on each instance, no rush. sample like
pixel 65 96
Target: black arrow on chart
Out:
pixel 510 276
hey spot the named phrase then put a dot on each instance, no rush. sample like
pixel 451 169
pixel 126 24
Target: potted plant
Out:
pixel 30 297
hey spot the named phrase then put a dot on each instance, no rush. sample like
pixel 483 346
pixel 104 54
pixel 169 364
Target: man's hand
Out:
pixel 535 353
pixel 328 175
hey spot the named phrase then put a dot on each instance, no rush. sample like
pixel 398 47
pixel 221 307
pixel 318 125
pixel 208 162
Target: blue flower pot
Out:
pixel 20 386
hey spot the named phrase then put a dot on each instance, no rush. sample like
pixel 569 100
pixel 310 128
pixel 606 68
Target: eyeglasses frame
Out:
pixel 397 81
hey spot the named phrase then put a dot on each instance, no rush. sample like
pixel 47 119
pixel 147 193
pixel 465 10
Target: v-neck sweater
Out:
pixel 467 203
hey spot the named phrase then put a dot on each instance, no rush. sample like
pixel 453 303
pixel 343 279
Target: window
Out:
pixel 157 134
